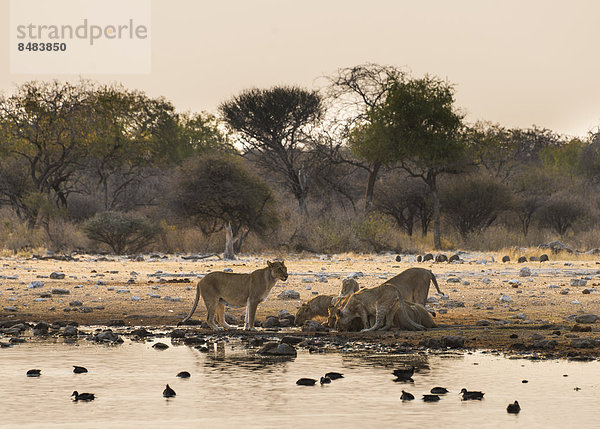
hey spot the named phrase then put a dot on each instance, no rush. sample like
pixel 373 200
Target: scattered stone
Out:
pixel 578 282
pixel 544 344
pixel 86 309
pixel 580 328
pixel 271 322
pixel 57 276
pixel 584 343
pixel 553 287
pixel 41 328
pixel 123 291
pixel 586 318
pixel 525 272
pixel 486 281
pixel 70 331
pixel 143 333
pixel 505 298
pixel 291 340
pixel 453 280
pixel 11 308
pixel 483 322
pixel 289 294
pixel 107 336
pixel 556 247
pixel 453 341
pixel 59 291
pixel 277 349
pixel 76 303
pixel 36 284
pixel 312 326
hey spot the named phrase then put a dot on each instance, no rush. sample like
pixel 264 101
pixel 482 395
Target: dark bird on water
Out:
pixel 34 372
pixel 79 369
pixel 83 396
pixel 514 408
pixel 439 390
pixel 404 374
pixel 334 375
pixel 325 380
pixel 406 396
pixel 168 392
pixel 183 374
pixel 467 395
pixel 306 382
pixel 431 398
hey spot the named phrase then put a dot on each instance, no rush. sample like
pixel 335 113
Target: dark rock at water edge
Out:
pixel 107 336
pixel 277 349
pixel 312 326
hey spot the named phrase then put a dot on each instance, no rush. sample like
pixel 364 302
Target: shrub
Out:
pixel 123 233
pixel 472 204
pixel 560 213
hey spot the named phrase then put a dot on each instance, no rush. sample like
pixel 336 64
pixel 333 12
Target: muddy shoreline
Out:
pixel 535 321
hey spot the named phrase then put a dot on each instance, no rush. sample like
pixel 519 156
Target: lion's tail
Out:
pixel 435 283
pixel 193 307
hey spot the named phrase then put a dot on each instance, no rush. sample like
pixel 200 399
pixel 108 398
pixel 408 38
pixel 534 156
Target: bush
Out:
pixel 472 204
pixel 560 213
pixel 124 233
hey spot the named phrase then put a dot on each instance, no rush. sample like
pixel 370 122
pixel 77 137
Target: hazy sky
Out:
pixel 517 63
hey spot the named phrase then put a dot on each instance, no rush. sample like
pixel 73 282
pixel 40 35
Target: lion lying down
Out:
pixel 385 305
pixel 319 305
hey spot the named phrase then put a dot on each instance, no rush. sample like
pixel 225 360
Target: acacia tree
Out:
pixel 273 125
pixel 131 132
pixel 48 126
pixel 219 193
pixel 419 124
pixel 355 91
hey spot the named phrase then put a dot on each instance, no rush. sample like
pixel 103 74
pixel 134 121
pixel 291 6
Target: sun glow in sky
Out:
pixel 517 63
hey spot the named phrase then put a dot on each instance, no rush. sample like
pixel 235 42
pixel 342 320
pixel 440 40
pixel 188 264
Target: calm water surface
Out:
pixel 230 388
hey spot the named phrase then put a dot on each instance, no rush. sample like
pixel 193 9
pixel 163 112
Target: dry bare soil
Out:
pixel 490 304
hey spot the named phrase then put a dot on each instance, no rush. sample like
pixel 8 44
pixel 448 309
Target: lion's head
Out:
pixel 278 270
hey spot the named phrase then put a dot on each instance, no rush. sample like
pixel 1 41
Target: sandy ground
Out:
pixel 541 309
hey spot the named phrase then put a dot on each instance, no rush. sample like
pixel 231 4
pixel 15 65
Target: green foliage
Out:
pixel 273 126
pixel 199 133
pixel 564 159
pixel 419 121
pixel 124 233
pixel 473 204
pixel 216 190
